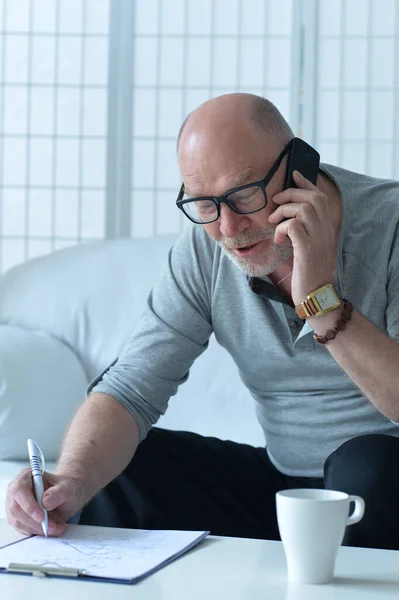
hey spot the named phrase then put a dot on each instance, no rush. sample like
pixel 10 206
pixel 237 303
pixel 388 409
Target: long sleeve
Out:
pixel 172 332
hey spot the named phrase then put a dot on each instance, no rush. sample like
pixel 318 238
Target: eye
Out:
pixel 245 195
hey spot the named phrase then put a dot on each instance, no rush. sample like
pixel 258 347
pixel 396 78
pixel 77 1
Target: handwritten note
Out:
pixel 124 554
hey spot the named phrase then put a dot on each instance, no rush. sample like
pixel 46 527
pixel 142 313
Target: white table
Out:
pixel 223 569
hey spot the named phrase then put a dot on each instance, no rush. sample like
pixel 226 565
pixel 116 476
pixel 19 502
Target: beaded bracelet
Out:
pixel 339 325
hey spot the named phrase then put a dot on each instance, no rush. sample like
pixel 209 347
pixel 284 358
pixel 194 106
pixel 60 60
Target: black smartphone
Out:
pixel 302 158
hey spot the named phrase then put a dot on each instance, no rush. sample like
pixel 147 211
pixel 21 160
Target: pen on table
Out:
pixel 36 459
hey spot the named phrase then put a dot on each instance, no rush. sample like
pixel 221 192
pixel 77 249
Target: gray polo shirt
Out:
pixel 306 404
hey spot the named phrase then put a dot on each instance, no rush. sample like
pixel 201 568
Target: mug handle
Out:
pixel 358 513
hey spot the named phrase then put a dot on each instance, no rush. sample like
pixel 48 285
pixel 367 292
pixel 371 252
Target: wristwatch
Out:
pixel 319 302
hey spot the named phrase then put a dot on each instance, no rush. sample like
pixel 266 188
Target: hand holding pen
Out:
pixel 62 495
pixel 37 465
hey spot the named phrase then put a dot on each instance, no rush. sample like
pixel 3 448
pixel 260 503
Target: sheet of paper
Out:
pixel 102 552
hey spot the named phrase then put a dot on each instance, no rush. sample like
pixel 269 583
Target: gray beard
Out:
pixel 260 264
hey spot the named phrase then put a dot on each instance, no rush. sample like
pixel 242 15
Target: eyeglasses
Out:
pixel 244 200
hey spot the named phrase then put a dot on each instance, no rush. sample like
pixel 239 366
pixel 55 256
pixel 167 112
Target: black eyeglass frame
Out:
pixel 217 200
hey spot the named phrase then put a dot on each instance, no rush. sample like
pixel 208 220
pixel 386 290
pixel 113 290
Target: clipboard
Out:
pixel 102 554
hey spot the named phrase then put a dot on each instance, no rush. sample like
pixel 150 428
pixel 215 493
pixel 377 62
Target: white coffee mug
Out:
pixel 312 525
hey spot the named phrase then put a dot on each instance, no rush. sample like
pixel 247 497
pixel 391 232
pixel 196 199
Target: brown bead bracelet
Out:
pixel 339 325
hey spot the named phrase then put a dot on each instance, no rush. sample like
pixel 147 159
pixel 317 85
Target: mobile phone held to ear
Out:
pixel 302 158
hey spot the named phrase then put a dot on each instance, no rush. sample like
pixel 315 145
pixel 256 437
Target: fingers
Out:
pixel 295 231
pixel 23 511
pixel 302 182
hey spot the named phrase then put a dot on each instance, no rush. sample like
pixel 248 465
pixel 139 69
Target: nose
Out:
pixel 230 222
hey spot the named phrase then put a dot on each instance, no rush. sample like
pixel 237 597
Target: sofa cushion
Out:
pixel 89 296
pixel 41 384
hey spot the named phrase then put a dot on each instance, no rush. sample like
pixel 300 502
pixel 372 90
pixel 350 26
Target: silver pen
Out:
pixel 37 465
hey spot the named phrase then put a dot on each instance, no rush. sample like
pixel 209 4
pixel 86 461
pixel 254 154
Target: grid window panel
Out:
pixel 43 59
pixel 145 66
pixel 40 213
pixel 168 215
pixel 55 56
pixel 381 160
pixel 71 16
pixel 366 78
pixel 279 63
pixel 95 61
pixel 17 16
pixel 40 161
pixel 383 17
pixel 67 157
pixel 16 52
pixel 383 62
pixel 92 214
pixel 97 16
pixel 354 156
pixel 226 16
pixel 330 17
pixel 14 161
pixel 251 63
pixel 144 163
pixel 143 213
pixel 146 16
pixel 329 63
pixel 68 111
pixel 66 217
pixel 12 252
pixel 199 17
pixel 354 116
pixel 225 63
pixel 171 61
pixel 329 115
pixel 279 17
pixel 170 111
pixel 144 112
pixel 355 63
pixel 198 61
pixel 356 17
pixel 167 177
pixel 41 107
pixel 381 115
pixel 15 107
pixel 253 18
pixel 69 60
pixel 329 152
pixel 93 163
pixel 44 16
pixel 14 212
pixel 172 21
pixel 93 112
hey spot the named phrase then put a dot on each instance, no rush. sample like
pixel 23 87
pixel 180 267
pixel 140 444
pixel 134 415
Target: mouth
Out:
pixel 246 250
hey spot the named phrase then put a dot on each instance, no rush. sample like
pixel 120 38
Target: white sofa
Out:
pixel 64 318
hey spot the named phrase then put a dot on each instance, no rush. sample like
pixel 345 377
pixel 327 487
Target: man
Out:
pixel 329 410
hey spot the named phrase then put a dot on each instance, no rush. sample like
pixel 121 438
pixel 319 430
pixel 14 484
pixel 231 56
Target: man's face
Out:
pixel 246 239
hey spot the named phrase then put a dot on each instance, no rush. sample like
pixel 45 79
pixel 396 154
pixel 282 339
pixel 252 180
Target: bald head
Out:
pixel 259 113
pixel 229 137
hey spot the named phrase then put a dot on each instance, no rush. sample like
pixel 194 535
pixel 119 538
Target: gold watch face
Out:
pixel 327 297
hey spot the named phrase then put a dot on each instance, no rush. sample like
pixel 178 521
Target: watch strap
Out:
pixel 311 307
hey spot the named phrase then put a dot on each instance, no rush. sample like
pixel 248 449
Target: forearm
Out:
pixel 368 356
pixel 99 444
